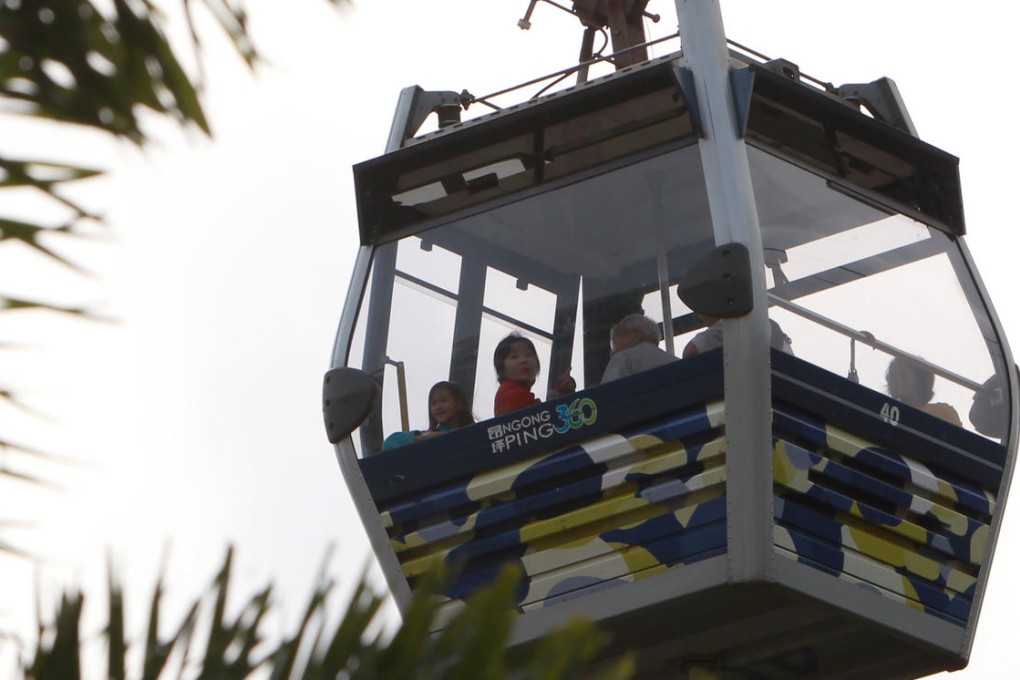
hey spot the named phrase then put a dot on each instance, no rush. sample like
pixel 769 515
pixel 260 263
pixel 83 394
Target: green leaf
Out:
pixel 233 19
pixel 10 473
pixel 115 643
pixel 14 304
pixel 41 174
pixel 156 652
pixel 284 659
pixel 60 659
pixel 219 634
pixel 348 639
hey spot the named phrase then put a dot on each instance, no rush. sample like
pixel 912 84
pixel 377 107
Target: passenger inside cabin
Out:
pixel 635 343
pixel 449 408
pixel 712 337
pixel 988 413
pixel 914 384
pixel 517 367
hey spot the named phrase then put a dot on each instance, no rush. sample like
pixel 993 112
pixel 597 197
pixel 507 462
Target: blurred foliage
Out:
pixel 70 62
pixel 211 643
pixel 103 65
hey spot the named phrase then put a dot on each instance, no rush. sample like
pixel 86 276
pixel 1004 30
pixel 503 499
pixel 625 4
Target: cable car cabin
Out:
pixel 852 540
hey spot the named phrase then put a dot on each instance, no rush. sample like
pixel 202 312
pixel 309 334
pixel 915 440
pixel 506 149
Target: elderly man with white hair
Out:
pixel 635 342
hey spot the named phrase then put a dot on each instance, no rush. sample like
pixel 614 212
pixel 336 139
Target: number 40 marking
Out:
pixel 890 413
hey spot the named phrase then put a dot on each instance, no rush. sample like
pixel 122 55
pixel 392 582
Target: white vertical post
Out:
pixel 746 339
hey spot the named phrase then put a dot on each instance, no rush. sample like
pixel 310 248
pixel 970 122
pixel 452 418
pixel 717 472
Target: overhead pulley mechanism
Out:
pixel 623 18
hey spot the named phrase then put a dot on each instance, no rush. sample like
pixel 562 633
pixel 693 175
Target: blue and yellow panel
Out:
pixel 637 488
pixel 900 509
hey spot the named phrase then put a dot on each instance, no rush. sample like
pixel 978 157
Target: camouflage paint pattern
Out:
pixel 609 510
pixel 620 507
pixel 876 517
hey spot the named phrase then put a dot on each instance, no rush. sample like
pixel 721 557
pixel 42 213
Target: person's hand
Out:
pixel 564 384
pixel 427 435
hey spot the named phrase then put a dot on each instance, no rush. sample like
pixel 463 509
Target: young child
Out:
pixel 517 367
pixel 449 408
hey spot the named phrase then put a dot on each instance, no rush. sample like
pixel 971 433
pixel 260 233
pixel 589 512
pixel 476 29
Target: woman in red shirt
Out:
pixel 517 366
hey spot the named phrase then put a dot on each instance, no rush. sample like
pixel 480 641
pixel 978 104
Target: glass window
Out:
pixel 559 267
pixel 855 285
pixel 825 134
pixel 520 148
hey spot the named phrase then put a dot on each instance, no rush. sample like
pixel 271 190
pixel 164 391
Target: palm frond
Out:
pixel 116 644
pixel 95 64
pixel 285 658
pixel 11 549
pixel 347 641
pixel 10 473
pixel 59 658
pixel 472 646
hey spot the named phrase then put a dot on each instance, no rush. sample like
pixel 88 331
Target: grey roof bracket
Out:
pixel 415 105
pixel 882 100
pixel 685 81
pixel 742 86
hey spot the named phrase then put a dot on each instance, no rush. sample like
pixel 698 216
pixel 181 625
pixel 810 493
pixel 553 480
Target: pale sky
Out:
pixel 196 417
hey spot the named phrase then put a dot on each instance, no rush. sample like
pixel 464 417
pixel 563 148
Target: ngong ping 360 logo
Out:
pixel 542 425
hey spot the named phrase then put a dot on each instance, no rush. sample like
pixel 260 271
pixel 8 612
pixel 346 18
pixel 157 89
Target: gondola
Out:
pixel 763 509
